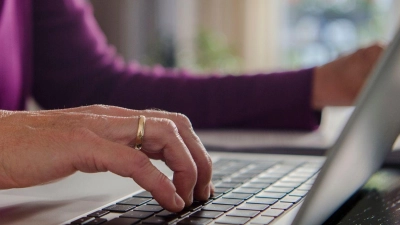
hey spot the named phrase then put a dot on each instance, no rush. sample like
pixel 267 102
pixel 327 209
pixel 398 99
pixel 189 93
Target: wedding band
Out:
pixel 140 132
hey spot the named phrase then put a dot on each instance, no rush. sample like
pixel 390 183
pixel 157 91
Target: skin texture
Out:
pixel 338 83
pixel 39 147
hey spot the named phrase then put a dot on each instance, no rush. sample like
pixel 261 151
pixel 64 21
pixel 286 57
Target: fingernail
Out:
pixel 179 201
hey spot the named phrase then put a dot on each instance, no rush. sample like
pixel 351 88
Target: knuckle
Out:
pixel 98 107
pixel 170 126
pixel 182 120
pixel 154 111
pixel 81 134
pixel 141 162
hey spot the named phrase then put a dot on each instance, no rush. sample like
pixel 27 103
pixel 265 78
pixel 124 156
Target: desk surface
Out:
pixel 333 120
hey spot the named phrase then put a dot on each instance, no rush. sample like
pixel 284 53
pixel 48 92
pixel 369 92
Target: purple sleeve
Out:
pixel 73 66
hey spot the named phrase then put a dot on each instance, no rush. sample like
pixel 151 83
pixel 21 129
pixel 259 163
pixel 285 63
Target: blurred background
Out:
pixel 235 36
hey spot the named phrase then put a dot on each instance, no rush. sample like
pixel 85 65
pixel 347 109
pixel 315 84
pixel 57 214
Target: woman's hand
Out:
pixel 338 83
pixel 38 147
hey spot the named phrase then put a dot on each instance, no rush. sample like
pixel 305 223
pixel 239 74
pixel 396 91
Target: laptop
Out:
pixel 250 188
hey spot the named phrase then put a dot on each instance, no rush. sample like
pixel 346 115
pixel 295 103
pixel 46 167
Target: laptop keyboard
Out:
pixel 246 192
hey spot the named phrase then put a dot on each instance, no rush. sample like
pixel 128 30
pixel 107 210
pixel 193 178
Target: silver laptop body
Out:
pixel 363 144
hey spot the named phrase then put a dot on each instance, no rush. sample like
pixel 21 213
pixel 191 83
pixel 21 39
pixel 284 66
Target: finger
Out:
pixel 200 156
pixel 99 155
pixel 163 134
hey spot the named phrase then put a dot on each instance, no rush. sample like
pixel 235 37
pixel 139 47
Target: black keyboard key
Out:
pixel 149 208
pixel 247 190
pixel 254 171
pixel 272 175
pixel 282 168
pixel 262 220
pixel 232 220
pixel 255 207
pixel 256 185
pixel 184 213
pixel 307 170
pixel 304 187
pixel 262 201
pixel 157 220
pixel 287 184
pixel 227 185
pixel 166 213
pixel 96 221
pixel 217 176
pixel 243 213
pixel 272 212
pixel 216 195
pixel 270 195
pixel 152 202
pixel 292 199
pixel 209 201
pixel 119 208
pixel 207 214
pixel 196 205
pixel 194 221
pixel 243 176
pixel 301 174
pixel 237 179
pixel 281 205
pixel 99 213
pixel 237 196
pixel 298 193
pixel 143 194
pixel 264 180
pixel 233 182
pixel 133 201
pixel 137 214
pixel 248 174
pixel 216 207
pixel 279 189
pixel 222 173
pixel 222 189
pixel 82 220
pixel 226 201
pixel 294 179
pixel 122 221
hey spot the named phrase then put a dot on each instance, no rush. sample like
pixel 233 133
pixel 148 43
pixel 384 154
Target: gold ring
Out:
pixel 140 132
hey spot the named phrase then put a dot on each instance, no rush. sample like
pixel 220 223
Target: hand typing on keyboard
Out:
pixel 39 147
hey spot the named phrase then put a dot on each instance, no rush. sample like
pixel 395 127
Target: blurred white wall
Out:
pixel 256 31
pixel 250 27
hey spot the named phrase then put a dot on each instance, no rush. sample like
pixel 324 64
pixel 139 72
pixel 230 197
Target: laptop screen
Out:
pixel 363 144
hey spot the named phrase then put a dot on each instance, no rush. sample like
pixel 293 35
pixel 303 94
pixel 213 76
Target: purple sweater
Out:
pixel 54 51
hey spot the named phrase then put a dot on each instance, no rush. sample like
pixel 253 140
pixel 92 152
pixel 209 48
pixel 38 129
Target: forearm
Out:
pixel 74 66
pixel 273 101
